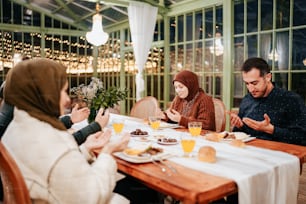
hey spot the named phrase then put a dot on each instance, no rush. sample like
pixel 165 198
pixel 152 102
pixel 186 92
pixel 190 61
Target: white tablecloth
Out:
pixel 263 176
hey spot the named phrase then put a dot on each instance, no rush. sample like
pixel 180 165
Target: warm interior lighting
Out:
pixel 273 55
pixel 218 48
pixel 97 36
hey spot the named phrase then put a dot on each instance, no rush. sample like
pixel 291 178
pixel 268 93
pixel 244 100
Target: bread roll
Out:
pixel 237 143
pixel 207 154
pixel 215 137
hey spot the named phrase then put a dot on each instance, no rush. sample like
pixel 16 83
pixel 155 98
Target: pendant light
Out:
pixel 97 36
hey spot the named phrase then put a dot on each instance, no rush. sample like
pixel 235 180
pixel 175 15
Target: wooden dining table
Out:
pixel 191 186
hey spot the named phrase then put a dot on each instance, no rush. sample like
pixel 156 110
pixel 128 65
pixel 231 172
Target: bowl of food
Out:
pixel 139 133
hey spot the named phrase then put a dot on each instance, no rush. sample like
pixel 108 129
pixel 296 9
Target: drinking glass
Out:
pixel 154 122
pixel 118 126
pixel 188 144
pixel 195 128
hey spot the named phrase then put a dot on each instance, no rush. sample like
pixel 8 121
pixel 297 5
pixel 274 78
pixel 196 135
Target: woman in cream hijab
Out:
pixel 54 167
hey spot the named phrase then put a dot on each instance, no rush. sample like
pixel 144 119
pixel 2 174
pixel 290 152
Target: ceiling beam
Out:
pixel 58 17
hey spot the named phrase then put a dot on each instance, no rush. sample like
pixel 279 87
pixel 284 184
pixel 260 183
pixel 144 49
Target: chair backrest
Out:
pixel 14 187
pixel 145 107
pixel 220 114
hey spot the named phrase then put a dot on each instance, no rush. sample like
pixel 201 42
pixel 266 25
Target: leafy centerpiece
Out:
pixel 96 96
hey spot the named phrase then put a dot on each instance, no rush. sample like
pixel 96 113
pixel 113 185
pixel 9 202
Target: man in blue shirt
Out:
pixel 268 112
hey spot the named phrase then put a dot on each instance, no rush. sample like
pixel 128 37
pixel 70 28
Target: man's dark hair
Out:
pixel 257 63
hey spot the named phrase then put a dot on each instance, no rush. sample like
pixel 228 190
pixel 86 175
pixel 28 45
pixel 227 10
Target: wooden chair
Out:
pixel 145 107
pixel 14 187
pixel 220 114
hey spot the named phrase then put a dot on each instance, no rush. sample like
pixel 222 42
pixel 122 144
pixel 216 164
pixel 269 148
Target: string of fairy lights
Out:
pixel 13 50
pixel 74 54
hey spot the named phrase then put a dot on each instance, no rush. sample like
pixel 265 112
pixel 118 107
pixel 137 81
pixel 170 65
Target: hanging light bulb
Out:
pixel 218 48
pixel 97 36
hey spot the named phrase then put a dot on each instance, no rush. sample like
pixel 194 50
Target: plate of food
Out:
pixel 142 155
pixel 228 136
pixel 167 141
pixel 139 133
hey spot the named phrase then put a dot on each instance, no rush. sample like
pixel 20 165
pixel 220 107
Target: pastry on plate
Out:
pixel 215 137
pixel 237 143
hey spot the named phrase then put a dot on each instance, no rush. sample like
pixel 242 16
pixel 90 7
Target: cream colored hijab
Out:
pixel 34 86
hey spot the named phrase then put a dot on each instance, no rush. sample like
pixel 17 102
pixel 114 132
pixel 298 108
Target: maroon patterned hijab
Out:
pixel 190 80
pixel 34 86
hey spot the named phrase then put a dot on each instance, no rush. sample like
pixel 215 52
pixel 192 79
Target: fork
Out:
pixel 168 165
pixel 162 168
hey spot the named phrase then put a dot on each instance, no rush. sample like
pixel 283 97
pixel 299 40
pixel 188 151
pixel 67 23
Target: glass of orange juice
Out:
pixel 118 126
pixel 154 122
pixel 195 128
pixel 188 144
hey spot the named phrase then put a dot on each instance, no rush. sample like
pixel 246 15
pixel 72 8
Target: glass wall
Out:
pixel 196 44
pixel 275 31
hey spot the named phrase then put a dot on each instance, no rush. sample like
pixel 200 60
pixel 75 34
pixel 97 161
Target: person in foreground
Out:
pixel 191 103
pixel 54 168
pixel 268 112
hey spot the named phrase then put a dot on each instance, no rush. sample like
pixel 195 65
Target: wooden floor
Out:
pixel 302 187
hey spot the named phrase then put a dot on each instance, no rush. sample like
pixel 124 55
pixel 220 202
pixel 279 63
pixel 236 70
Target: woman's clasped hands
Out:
pixel 100 142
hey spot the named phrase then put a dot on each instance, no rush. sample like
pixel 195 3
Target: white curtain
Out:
pixel 142 19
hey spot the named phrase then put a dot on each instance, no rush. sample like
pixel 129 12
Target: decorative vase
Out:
pixel 92 115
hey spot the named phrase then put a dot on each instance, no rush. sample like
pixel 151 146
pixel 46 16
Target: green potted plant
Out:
pixel 96 96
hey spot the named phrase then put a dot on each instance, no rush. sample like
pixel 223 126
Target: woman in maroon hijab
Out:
pixel 191 102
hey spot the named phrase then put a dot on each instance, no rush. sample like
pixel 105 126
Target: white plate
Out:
pixel 138 159
pixel 167 143
pixel 132 135
pixel 239 136
pixel 168 125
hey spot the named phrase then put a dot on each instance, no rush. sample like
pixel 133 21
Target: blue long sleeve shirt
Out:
pixel 286 110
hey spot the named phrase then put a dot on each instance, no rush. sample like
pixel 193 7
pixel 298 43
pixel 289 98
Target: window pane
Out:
pixel 252 46
pixel 239 53
pixel 282 13
pixel 299 14
pixel 252 15
pixel 298 49
pixel 208 55
pixel 266 14
pixel 172 59
pixel 238 16
pixel 282 51
pixel 189 27
pixel 238 89
pixel 180 29
pixel 208 87
pixel 219 20
pixel 189 56
pixel 199 57
pixel 209 23
pixel 266 50
pixel 180 58
pixel 299 84
pixel 172 29
pixel 198 25
pixel 281 80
